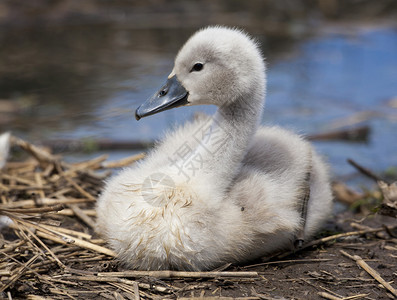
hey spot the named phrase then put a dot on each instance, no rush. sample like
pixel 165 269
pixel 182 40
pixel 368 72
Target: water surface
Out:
pixel 86 81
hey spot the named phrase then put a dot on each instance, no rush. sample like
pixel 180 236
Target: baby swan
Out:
pixel 219 189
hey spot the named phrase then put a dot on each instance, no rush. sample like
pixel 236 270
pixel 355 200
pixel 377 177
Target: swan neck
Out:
pixel 241 116
pixel 236 124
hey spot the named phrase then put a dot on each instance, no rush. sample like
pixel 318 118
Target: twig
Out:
pixel 45 201
pixel 358 134
pixel 63 238
pixel 57 207
pixel 356 296
pixel 364 170
pixel 331 238
pixel 328 296
pixel 331 292
pixel 332 297
pixel 91 164
pixel 49 278
pixel 58 230
pixel 79 188
pixel 42 156
pixel 178 274
pixel 62 145
pixel 380 234
pixel 354 119
pixel 288 262
pixel 69 212
pixel 82 216
pixel 340 235
pixel 136 291
pixel 39 182
pixel 13 246
pixel 20 272
pixel 21 230
pixel 222 268
pixel 119 280
pixel 78 242
pixel 370 271
pixel 44 246
pixel 24 187
pixel 344 194
pixel 122 162
pixel 125 287
pixel 37 274
pixel 17 179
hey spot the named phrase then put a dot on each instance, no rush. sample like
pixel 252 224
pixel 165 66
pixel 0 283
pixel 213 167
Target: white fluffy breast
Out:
pixel 161 225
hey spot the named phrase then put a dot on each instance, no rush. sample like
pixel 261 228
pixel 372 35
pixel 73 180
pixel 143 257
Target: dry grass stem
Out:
pixel 293 261
pixel 69 212
pixel 123 162
pixel 328 296
pixel 81 215
pixel 370 271
pixel 66 240
pixel 19 273
pixel 178 274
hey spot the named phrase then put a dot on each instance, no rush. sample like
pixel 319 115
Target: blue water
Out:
pixel 333 77
pixel 313 86
pixel 327 79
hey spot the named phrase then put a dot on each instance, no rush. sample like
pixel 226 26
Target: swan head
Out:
pixel 217 65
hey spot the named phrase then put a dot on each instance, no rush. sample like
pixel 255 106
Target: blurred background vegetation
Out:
pixel 75 69
pixel 178 13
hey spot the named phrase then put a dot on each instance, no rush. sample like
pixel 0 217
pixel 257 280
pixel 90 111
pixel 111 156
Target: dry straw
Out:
pixel 49 248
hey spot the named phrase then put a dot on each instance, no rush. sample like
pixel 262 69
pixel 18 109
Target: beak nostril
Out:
pixel 137 116
pixel 172 94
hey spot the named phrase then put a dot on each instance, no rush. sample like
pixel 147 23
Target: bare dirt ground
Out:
pixel 51 252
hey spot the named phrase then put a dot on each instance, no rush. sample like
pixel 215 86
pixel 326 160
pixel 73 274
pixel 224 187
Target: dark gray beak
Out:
pixel 171 95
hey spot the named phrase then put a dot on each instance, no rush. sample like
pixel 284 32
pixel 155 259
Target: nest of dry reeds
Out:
pixel 47 208
pixel 49 250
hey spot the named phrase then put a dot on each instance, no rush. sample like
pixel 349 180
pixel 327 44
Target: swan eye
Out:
pixel 197 67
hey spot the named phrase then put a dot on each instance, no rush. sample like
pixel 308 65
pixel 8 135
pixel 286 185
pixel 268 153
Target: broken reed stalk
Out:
pixel 123 162
pixel 67 240
pixel 39 153
pixel 355 134
pixel 331 238
pixel 118 280
pixel 45 201
pixel 346 234
pixel 82 216
pixel 178 274
pixel 136 291
pixel 41 192
pixel 53 208
pixel 333 297
pixel 75 233
pixel 296 261
pixel 328 296
pixel 367 172
pixel 79 189
pixel 69 212
pixel 20 272
pixel 48 232
pixel 370 271
pixel 45 247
